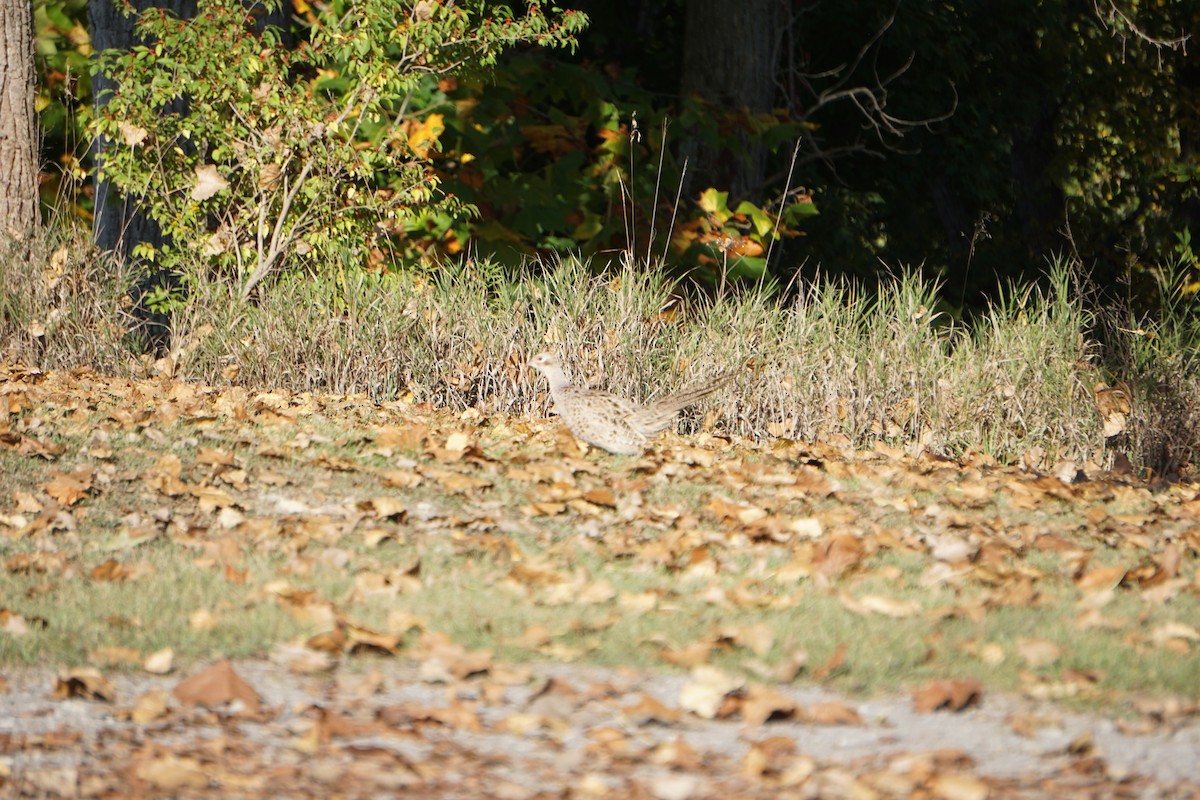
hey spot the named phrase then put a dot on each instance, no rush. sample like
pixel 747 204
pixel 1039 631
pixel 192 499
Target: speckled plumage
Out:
pixel 611 422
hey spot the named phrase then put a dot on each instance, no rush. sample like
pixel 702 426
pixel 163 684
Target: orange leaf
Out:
pixel 954 695
pixel 69 489
pixel 216 686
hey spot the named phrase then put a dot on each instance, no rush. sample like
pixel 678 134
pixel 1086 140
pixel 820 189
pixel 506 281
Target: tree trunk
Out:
pixel 18 124
pixel 730 59
pixel 119 224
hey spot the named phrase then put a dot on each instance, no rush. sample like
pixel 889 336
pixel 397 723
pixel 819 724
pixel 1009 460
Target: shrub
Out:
pixel 286 156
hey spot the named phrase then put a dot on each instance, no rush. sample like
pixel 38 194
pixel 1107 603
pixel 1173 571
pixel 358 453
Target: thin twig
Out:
pixel 675 209
pixel 787 186
pixel 662 149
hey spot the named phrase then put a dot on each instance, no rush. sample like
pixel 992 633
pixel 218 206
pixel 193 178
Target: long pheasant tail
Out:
pixel 681 400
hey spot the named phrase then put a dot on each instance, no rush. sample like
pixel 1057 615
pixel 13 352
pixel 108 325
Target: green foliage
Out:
pixel 1166 342
pixel 1070 133
pixel 269 156
pixel 63 50
pixel 581 158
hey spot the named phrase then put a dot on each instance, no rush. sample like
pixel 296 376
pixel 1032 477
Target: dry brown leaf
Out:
pixel 208 182
pixel 359 639
pixel 171 773
pixel 1028 724
pixel 12 623
pixel 878 604
pixel 301 659
pixel 400 478
pixel 1038 652
pixel 958 786
pixel 831 666
pixel 332 725
pixel 952 695
pixel 215 687
pixel 131 134
pixel 690 655
pixel 215 457
pixel 160 662
pixel 69 489
pixel 457 482
pixel 602 496
pixel 764 703
pixel 111 655
pixel 385 507
pixel 836 555
pixel 409 438
pixel 110 570
pixel 759 637
pixel 646 710
pixel 1101 578
pixel 705 692
pixel 85 682
pixel 150 706
pixel 202 620
pixel 1175 636
pixel 831 713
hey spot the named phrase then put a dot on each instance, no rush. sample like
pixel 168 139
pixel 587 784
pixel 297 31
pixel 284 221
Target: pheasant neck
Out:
pixel 558 381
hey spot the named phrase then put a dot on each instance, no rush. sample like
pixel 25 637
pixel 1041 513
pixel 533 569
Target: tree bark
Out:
pixel 731 54
pixel 18 123
pixel 119 224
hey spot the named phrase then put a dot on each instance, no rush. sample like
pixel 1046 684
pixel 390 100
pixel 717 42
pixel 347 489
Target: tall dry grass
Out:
pixel 831 360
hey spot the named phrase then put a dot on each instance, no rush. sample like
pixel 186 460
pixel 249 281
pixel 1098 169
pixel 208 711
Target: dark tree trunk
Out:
pixel 18 124
pixel 1040 205
pixel 731 54
pixel 119 223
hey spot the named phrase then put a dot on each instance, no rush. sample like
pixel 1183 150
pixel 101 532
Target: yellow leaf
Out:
pixel 423 135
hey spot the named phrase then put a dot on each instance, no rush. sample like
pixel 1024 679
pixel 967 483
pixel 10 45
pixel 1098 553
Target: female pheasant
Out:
pixel 611 422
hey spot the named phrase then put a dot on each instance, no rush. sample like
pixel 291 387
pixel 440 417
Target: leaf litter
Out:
pixel 424 601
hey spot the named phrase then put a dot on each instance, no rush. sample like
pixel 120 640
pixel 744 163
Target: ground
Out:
pixel 218 592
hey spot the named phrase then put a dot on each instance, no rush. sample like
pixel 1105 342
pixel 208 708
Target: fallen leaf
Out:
pixel 952 695
pixel 647 709
pixel 69 489
pixel 202 620
pixel 706 691
pixel 834 663
pixel 763 703
pixel 150 706
pixel 878 604
pixel 1038 652
pixel 215 687
pixel 160 662
pixel 832 713
pixel 171 773
pixel 958 786
pixel 836 555
pixel 85 682
pixel 111 570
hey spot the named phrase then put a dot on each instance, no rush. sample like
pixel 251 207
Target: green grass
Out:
pixel 834 368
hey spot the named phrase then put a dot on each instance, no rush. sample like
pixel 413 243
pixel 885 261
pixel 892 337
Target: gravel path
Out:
pixel 560 731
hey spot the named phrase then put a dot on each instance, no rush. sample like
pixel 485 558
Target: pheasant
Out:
pixel 611 422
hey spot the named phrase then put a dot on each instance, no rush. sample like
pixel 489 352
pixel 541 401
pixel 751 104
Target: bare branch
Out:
pixel 1119 22
pixel 868 97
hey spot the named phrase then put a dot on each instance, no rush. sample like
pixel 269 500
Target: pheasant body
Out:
pixel 609 421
